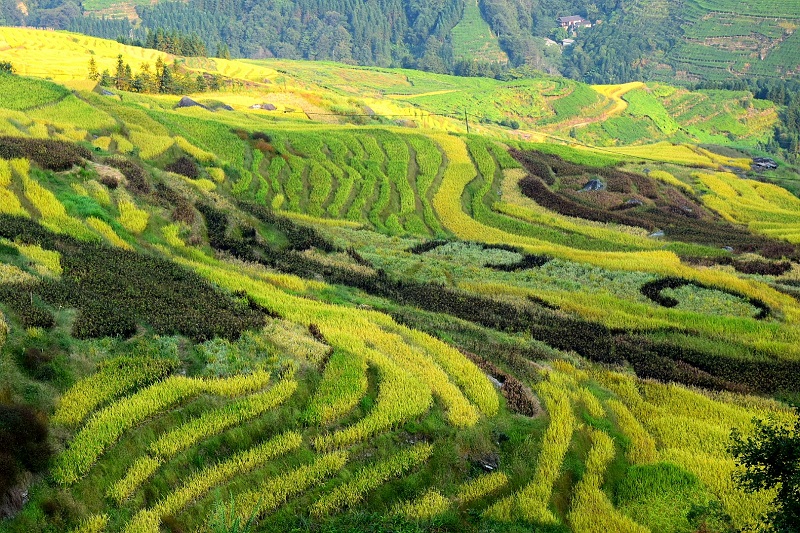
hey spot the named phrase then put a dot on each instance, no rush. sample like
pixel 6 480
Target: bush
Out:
pixel 183 209
pixel 300 237
pixel 138 179
pixel 23 443
pixel 47 153
pixel 185 167
pixel 19 298
pixel 42 363
pixel 519 398
pixel 260 136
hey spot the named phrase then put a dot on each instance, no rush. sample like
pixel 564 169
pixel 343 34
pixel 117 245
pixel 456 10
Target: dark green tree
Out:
pixel 223 52
pixel 121 79
pixel 771 458
pixel 166 82
pixel 93 74
pixel 105 79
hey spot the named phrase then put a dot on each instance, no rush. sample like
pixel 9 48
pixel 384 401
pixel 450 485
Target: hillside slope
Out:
pixel 692 40
pixel 631 40
pixel 209 313
pixel 544 105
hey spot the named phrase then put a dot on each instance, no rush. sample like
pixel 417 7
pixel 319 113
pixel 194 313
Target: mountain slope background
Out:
pixel 687 40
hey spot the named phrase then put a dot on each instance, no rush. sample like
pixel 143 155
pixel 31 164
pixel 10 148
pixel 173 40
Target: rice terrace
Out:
pixel 267 294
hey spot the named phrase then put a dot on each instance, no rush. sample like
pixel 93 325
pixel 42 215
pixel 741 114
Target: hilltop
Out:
pixel 315 301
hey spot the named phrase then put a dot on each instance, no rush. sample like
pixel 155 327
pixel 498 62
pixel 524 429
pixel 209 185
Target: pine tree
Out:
pixel 120 80
pixel 93 74
pixel 105 79
pixel 166 81
pixel 147 79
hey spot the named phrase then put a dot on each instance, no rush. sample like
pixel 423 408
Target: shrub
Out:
pixel 47 153
pixel 23 443
pixel 300 237
pixel 185 167
pixel 138 179
pixel 518 396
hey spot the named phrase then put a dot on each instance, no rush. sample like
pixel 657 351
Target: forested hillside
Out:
pixel 630 40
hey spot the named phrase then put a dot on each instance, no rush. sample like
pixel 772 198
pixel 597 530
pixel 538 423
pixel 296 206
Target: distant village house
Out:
pixel 574 22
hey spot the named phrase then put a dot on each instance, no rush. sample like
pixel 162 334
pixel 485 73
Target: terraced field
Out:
pixel 728 37
pixel 230 317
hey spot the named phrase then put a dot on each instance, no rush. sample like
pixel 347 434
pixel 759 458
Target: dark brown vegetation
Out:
pixel 49 154
pixel 24 445
pixel 183 209
pixel 519 397
pixel 636 200
pixel 138 178
pixel 184 166
pixel 116 290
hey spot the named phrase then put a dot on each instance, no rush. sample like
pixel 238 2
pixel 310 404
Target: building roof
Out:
pixel 573 18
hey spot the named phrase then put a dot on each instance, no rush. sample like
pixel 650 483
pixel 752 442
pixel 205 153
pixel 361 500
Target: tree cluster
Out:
pixel 771 459
pixel 163 79
pixel 171 42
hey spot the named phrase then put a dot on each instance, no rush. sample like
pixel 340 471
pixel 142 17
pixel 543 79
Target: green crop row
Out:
pixel 218 420
pixel 198 484
pixel 320 181
pixel 349 178
pixel 532 501
pixel 429 160
pixel 106 426
pixel 370 174
pixel 400 398
pixel 369 478
pixel 274 491
pixel 113 378
pixel 293 187
pixel 591 510
pixel 343 384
